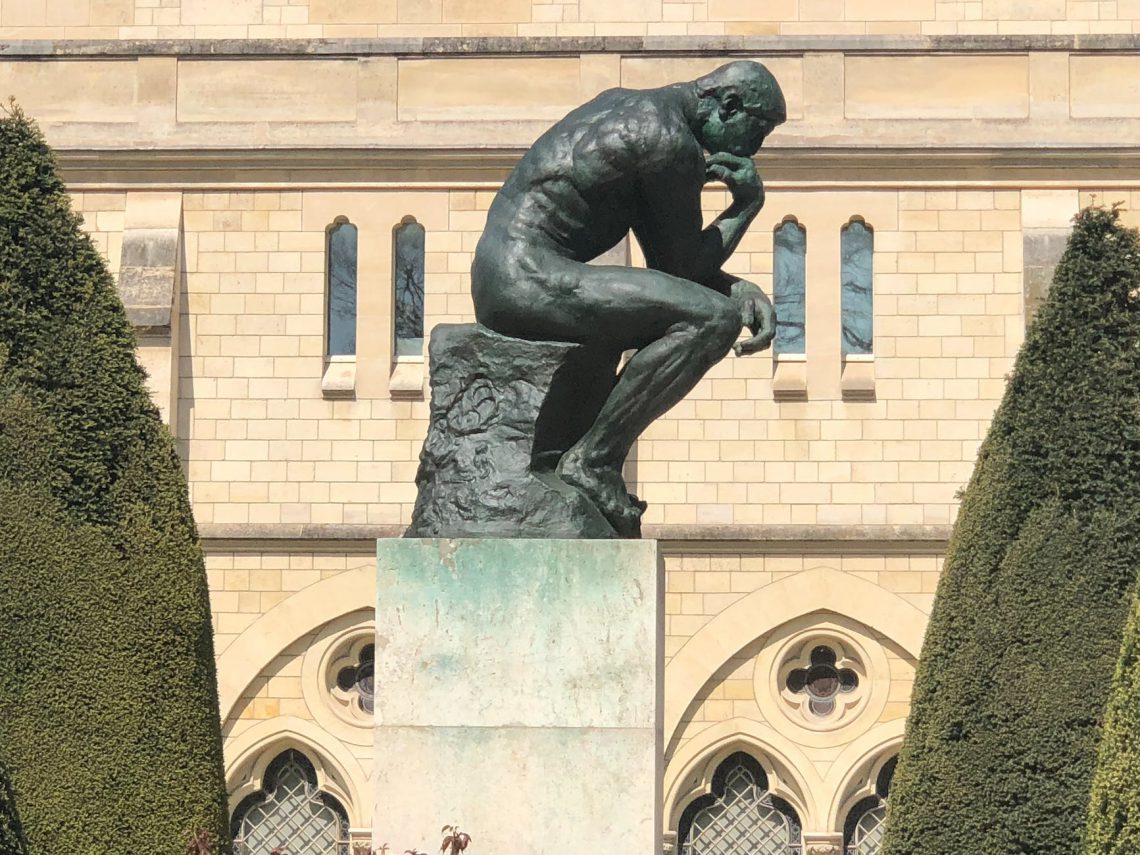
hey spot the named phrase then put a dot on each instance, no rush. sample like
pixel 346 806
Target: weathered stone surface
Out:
pixel 523 670
pixel 499 424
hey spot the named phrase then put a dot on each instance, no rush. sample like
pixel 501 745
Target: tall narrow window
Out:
pixel 290 813
pixel 740 815
pixel 340 332
pixel 408 278
pixel 857 246
pixel 867 821
pixel 788 276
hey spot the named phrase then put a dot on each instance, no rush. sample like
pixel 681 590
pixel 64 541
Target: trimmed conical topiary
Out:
pixel 1027 622
pixel 1114 809
pixel 108 695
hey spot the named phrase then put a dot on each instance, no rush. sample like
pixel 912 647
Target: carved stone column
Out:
pixel 823 843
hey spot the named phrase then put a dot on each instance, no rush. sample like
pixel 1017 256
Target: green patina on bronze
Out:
pixel 629 160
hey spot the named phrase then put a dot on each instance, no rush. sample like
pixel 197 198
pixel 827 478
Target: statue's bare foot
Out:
pixel 606 489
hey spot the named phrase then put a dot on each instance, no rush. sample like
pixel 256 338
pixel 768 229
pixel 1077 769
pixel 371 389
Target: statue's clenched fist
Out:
pixel 740 174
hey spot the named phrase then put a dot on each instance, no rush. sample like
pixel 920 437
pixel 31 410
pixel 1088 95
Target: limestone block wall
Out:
pixel 857 92
pixel 739 620
pixel 287 621
pixel 734 616
pixel 274 19
pixel 263 445
pixel 103 218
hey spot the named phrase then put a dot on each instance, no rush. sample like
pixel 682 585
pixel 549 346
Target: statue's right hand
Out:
pixel 739 173
pixel 757 314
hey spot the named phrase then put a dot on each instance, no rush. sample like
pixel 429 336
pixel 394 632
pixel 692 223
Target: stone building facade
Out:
pixel 803 500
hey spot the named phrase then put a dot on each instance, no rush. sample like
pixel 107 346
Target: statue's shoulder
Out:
pixel 644 124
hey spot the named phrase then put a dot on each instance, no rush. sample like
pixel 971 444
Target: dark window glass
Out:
pixel 409 285
pixel 788 277
pixel 866 822
pixel 857 251
pixel 360 677
pixel 341 331
pixel 822 681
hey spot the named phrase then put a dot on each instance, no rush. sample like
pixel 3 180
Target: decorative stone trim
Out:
pixel 824 847
pixel 340 646
pixel 339 772
pixel 339 379
pixel 857 380
pixel 789 378
pixel 796 713
pixel 412 46
pixel 407 379
pixel 812 539
pixel 150 273
pixel 486 168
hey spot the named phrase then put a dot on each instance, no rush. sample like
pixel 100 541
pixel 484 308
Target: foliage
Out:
pixel 1114 808
pixel 201 842
pixel 11 834
pixel 1027 621
pixel 108 696
pixel 454 840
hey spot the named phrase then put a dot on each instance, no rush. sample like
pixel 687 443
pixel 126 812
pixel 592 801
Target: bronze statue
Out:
pixel 629 160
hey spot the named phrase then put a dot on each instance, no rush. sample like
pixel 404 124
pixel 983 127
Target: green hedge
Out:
pixel 108 694
pixel 1114 809
pixel 11 834
pixel 1027 621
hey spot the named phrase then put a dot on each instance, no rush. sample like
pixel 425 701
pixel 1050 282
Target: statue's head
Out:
pixel 738 106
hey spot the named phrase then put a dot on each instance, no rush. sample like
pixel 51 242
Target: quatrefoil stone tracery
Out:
pixel 822 681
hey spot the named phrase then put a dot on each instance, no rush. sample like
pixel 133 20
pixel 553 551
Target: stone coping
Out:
pixel 783 166
pixel 519 45
pixel 870 539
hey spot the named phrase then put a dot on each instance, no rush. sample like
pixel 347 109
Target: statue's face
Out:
pixel 740 128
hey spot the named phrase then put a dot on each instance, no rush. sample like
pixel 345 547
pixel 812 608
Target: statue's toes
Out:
pixel 640 504
pixel 626 519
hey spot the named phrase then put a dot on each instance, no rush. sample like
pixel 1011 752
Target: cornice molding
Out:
pixel 767 539
pixel 788 168
pixel 423 47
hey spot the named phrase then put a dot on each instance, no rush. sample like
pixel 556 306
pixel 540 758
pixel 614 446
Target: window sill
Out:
pixel 857 381
pixel 789 377
pixel 407 378
pixel 339 379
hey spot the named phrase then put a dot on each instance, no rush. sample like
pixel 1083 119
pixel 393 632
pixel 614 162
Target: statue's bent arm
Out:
pixel 669 228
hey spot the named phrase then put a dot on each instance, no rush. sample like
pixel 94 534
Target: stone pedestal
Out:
pixel 503 410
pixel 519 695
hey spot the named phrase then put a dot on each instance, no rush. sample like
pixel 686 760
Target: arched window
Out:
pixel 408 282
pixel 340 330
pixel 867 820
pixel 740 815
pixel 290 813
pixel 788 278
pixel 857 246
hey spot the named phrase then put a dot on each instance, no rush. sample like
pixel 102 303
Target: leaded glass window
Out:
pixel 866 823
pixel 340 332
pixel 788 286
pixel 868 831
pixel 857 247
pixel 408 278
pixel 740 815
pixel 290 813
